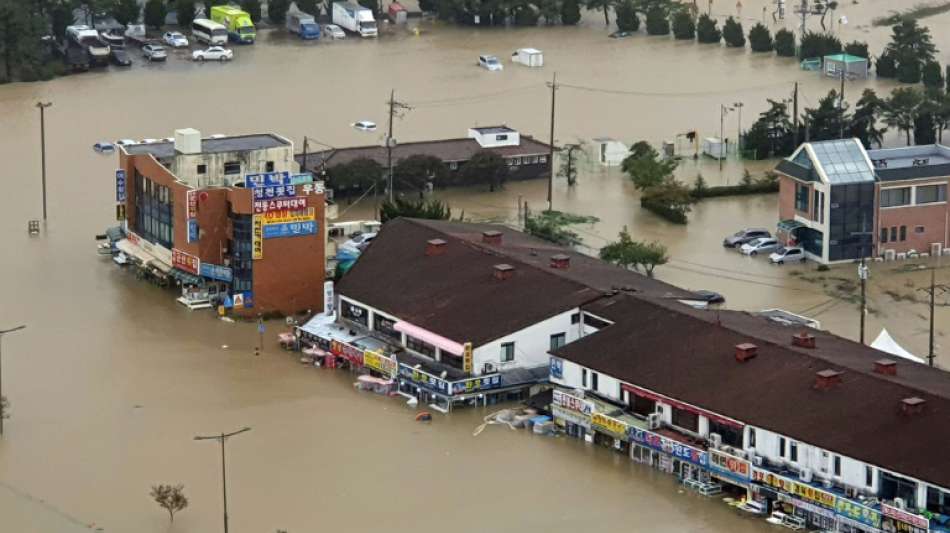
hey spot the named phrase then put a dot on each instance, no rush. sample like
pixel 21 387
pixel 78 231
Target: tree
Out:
pixel 670 199
pixel 733 34
pixel 155 12
pixel 857 48
pixel 416 171
pixel 61 16
pixel 550 10
pixel 570 12
pixel 526 15
pixel 912 48
pixel 886 65
pixel 485 167
pixel 901 109
pixel 631 254
pixel 186 12
pixel 818 45
pixel 20 45
pixel 400 207
pixel 569 162
pixel 627 19
pixel 357 175
pixel 552 226
pixel 700 186
pixel 772 133
pixel 684 28
pixel 277 11
pixel 208 4
pixel 932 75
pixel 826 120
pixel 125 12
pixel 169 497
pixel 760 40
pixel 645 167
pixel 605 5
pixel 925 122
pixel 658 21
pixel 707 31
pixel 784 43
pixel 864 121
pixel 253 8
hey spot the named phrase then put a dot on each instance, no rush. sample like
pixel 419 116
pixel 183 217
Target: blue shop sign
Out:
pixel 192 230
pixel 290 229
pixel 857 512
pixel 667 445
pixel 301 179
pixel 476 384
pixel 120 194
pixel 218 272
pixel 557 368
pixel 267 179
pixel 423 379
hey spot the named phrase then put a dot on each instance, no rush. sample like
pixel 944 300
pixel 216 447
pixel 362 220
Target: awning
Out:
pixel 885 343
pixel 114 234
pixel 131 249
pixel 789 225
pixel 159 265
pixel 187 278
pixel 438 341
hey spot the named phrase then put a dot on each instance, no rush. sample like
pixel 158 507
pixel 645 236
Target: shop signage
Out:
pixel 723 464
pixel 467 357
pixel 300 179
pixel 218 272
pixel 312 188
pixel 476 384
pixel 289 215
pixel 572 403
pixel 120 193
pixel 423 379
pixel 670 446
pixel 858 513
pixel 806 506
pixel 267 179
pixel 380 363
pixel 185 261
pixel 192 230
pixel 350 353
pixel 191 201
pixel 257 238
pixel 802 490
pixel 289 229
pixel 242 300
pixel 561 413
pixel 609 425
pixel 263 206
pixel 270 193
pixel 557 368
pixel 328 298
pixel 120 212
pixel 904 521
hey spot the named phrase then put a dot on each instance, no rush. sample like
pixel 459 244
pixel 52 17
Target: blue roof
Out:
pixel 843 161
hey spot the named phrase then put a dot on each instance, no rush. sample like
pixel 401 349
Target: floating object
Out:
pixel 227 319
pixel 120 259
pixel 424 416
pixel 103 147
pixel 412 402
pixel 33 227
pixel 224 346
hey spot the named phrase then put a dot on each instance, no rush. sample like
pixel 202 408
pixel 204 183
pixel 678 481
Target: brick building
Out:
pixel 227 219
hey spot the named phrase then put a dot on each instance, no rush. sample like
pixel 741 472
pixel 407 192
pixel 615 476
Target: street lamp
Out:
pixel 42 107
pixel 224 479
pixel 2 333
pixel 738 106
pixel 723 109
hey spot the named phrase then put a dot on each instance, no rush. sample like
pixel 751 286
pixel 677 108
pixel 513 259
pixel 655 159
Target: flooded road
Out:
pixel 112 379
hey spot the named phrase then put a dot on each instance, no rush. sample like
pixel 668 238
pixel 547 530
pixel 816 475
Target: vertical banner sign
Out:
pixel 328 298
pixel 191 199
pixel 120 212
pixel 120 194
pixel 257 237
pixel 467 357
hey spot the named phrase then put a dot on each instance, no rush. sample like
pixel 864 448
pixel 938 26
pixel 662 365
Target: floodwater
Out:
pixel 111 380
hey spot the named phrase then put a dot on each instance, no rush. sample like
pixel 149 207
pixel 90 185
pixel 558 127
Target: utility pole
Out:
pixel 863 275
pixel 260 335
pixel 932 291
pixel 304 169
pixel 2 333
pixel 722 133
pixel 738 106
pixel 390 141
pixel 42 107
pixel 224 476
pixel 795 113
pixel 553 86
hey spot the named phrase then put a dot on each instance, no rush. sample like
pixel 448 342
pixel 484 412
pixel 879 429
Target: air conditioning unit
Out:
pixel 654 421
pixel 936 249
pixel 805 475
pixel 757 460
pixel 715 440
pixel 488 368
pixel 900 503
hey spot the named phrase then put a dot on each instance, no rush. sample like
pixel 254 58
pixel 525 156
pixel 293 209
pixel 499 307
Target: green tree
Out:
pixel 549 10
pixel 416 171
pixel 208 4
pixel 20 31
pixel 684 28
pixel 857 48
pixel 925 121
pixel 170 497
pixel 627 19
pixel 670 200
pixel 886 65
pixel 760 40
pixel 605 5
pixel 570 12
pixel 432 209
pixel 126 12
pixel 658 21
pixel 911 47
pixel 155 12
pixel 61 16
pixel 570 161
pixel 826 120
pixel 631 254
pixel 552 226
pixel 707 30
pixel 526 15
pixel 426 6
pixel 186 12
pixel 816 44
pixel 932 75
pixel 485 167
pixel 784 43
pixel 772 133
pixel 700 187
pixel 646 168
pixel 901 109
pixel 253 8
pixel 277 11
pixel 733 33
pixel 867 111
pixel 357 175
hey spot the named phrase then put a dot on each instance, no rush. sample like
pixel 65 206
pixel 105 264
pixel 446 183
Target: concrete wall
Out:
pixel 531 344
pixel 186 166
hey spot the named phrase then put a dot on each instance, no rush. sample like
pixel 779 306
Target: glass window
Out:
pixel 386 326
pixel 420 347
pixel 927 194
pixel 543 159
pixel 868 476
pixel 883 235
pixel 893 233
pixel 793 451
pixel 507 352
pixel 501 137
pixel 903 233
pixel 354 313
pixel 269 166
pixel 685 419
pixel 752 437
pixel 453 165
pixel 558 340
pixel 643 406
pixel 584 378
pixel 594 380
pixel 202 169
pixel 801 197
pixel 837 465
pixel 731 435
pixel 781 446
pixel 895 197
pixel 232 167
pixel 576 318
pixel 919 229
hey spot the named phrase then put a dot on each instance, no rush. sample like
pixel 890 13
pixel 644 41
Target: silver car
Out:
pixel 743 236
pixel 333 31
pixel 762 244
pixel 154 52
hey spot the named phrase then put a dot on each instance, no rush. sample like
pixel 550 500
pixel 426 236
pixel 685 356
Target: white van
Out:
pixel 210 32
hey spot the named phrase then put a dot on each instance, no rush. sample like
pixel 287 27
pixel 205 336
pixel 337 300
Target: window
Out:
pixel 781 446
pixel 801 197
pixel 594 380
pixel 584 378
pixel 420 347
pixel 893 233
pixel 153 211
pixel 731 435
pixel 543 159
pixel 903 233
pixel 507 352
pixel 576 318
pixel 919 229
pixel 269 166
pixel 386 327
pixel 501 137
pixel 793 451
pixel 202 169
pixel 928 194
pixel 354 313
pixel 595 322
pixel 752 437
pixel 643 406
pixel 938 501
pixel 685 419
pixel 232 167
pixel 895 197
pixel 558 340
pixel 883 235
pixel 837 465
pixel 454 165
pixel 868 476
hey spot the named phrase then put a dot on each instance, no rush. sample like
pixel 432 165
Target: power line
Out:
pixel 473 98
pixel 667 94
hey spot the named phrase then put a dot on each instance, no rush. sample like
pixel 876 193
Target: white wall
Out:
pixel 531 344
pixel 185 166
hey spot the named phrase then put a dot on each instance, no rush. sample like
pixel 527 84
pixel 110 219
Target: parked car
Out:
pixel 490 63
pixel 710 297
pixel 103 147
pixel 214 53
pixel 359 241
pixel 743 236
pixel 154 52
pixel 126 142
pixel 333 31
pixel 365 125
pixel 762 244
pixel 175 39
pixel 620 34
pixel 784 254
pixel 120 57
pixel 148 140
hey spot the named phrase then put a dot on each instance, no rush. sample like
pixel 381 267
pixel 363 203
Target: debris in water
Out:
pixel 227 319
pixel 424 416
pixel 412 402
pixel 224 346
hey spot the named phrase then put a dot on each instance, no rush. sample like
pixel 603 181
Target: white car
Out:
pixel 365 125
pixel 784 254
pixel 755 246
pixel 333 31
pixel 359 242
pixel 154 52
pixel 490 63
pixel 175 39
pixel 215 53
pixel 126 142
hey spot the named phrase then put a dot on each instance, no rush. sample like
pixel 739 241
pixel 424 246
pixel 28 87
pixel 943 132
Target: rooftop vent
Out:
pixel 188 141
pixel 826 379
pixel 912 405
pixel 435 247
pixel 492 237
pixel 503 271
pixel 888 367
pixel 746 351
pixel 804 339
pixel 560 261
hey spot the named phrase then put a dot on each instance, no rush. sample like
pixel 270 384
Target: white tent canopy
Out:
pixel 885 343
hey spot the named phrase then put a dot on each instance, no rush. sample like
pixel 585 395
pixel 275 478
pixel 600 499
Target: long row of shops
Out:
pixel 754 488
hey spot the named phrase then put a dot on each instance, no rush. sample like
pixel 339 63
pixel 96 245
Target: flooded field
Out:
pixel 111 380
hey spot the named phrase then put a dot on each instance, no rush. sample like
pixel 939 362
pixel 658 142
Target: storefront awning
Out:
pixel 789 225
pixel 186 278
pixel 438 341
pixel 132 250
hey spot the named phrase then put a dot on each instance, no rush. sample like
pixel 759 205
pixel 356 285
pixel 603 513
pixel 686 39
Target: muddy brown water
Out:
pixel 111 380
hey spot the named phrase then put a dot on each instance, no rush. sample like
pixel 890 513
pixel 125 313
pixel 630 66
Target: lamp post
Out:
pixel 42 107
pixel 723 109
pixel 2 333
pixel 738 107
pixel 224 479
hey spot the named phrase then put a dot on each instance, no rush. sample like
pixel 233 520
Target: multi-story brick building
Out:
pixel 227 219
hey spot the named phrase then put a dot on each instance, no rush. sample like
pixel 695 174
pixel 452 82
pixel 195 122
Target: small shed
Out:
pixel 609 152
pixel 397 13
pixel 852 67
pixel 529 57
pixel 714 147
